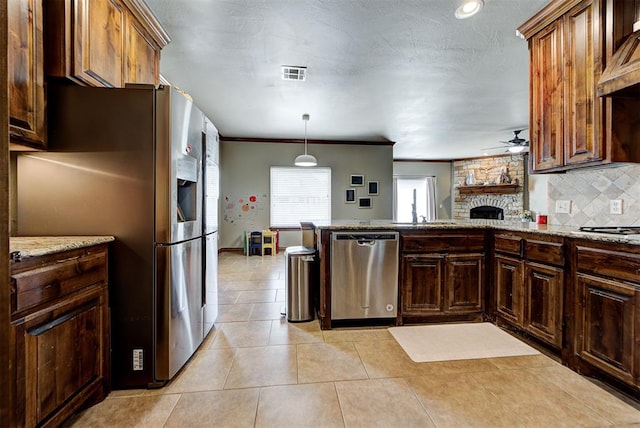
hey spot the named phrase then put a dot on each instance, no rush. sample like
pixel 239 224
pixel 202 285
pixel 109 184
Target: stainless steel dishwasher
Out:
pixel 364 275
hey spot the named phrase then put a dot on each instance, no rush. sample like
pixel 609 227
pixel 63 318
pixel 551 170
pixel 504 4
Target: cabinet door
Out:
pixel 142 57
pixel 25 72
pixel 543 302
pixel 546 79
pixel 464 282
pixel 63 356
pixel 509 289
pixel 583 55
pixel 422 284
pixel 98 42
pixel 608 316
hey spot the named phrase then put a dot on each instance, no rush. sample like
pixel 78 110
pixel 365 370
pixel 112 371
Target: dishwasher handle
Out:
pixel 366 242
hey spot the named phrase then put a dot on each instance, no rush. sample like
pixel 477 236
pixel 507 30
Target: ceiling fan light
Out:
pixel 516 149
pixel 469 8
pixel 306 160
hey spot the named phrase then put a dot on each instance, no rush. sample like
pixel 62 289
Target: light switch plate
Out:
pixel 563 207
pixel 615 206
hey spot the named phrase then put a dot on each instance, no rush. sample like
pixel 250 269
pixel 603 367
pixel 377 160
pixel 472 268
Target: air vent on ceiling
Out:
pixel 293 72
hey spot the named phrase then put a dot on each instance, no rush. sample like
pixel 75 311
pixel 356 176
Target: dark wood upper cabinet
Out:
pixel 25 74
pixel 570 43
pixel 103 42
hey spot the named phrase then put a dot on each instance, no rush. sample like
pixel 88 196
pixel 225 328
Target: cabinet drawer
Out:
pixel 545 252
pixel 615 264
pixel 49 282
pixel 442 242
pixel 508 244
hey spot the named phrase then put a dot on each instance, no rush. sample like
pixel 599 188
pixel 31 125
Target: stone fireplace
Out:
pixel 493 201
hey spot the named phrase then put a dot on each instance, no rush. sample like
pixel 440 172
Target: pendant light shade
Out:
pixel 305 159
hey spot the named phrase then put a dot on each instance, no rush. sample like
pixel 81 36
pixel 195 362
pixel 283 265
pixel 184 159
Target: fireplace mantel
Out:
pixel 488 189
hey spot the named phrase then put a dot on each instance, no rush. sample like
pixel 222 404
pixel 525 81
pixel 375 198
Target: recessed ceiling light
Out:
pixel 469 8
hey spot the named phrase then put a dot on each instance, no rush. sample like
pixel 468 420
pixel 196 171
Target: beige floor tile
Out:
pixel 266 311
pixel 351 335
pixel 228 297
pixel 461 366
pixel 231 313
pixel 228 409
pixel 326 362
pixel 242 334
pixel 210 337
pixel 381 403
pixel 207 371
pixel 143 412
pixel 538 402
pixel 273 275
pixel 522 362
pixel 280 295
pixel 257 296
pixel 602 402
pixel 263 366
pixel 120 393
pixel 237 285
pixel 289 333
pixel 249 285
pixel 385 358
pixel 458 400
pixel 314 405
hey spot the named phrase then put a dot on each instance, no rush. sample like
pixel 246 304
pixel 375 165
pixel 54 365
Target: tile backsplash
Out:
pixel 590 192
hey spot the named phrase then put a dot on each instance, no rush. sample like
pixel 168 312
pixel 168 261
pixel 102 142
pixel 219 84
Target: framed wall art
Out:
pixel 357 180
pixel 373 187
pixel 364 202
pixel 350 196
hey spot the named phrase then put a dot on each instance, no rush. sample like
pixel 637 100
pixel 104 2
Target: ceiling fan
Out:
pixel 514 145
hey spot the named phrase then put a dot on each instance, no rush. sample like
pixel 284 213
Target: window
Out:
pixel 418 190
pixel 300 194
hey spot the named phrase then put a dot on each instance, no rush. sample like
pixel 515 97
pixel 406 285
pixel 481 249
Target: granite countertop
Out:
pixel 32 246
pixel 516 226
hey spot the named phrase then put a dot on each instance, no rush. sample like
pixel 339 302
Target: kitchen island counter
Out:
pixel 33 246
pixel 516 226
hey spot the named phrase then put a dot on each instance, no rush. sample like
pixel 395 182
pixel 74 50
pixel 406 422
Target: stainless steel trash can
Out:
pixel 299 266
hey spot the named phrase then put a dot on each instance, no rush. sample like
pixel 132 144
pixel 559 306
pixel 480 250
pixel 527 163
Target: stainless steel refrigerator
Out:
pixel 211 170
pixel 129 163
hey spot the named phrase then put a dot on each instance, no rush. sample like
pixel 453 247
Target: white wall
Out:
pixel 538 185
pixel 245 174
pixel 440 170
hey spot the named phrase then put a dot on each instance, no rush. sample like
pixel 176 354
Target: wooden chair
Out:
pixel 269 242
pixel 254 242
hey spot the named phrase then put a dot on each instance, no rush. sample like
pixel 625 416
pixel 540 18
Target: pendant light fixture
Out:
pixel 469 8
pixel 305 159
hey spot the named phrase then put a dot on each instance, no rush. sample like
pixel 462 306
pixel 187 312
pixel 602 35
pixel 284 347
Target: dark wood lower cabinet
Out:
pixel 508 289
pixel 543 302
pixel 609 319
pixel 464 282
pixel 442 275
pixel 60 335
pixel 422 285
pixel 529 284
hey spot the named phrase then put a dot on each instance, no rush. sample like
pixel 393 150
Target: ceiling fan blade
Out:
pixel 491 148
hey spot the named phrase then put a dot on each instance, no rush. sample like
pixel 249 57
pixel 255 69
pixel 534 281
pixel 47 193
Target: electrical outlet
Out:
pixel 563 207
pixel 138 360
pixel 615 206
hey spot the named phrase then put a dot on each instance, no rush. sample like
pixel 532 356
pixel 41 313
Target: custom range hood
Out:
pixel 622 75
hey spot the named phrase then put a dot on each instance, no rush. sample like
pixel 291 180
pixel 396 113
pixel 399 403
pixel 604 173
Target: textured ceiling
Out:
pixel 378 70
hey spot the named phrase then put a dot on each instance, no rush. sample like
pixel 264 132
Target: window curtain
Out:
pixel 432 209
